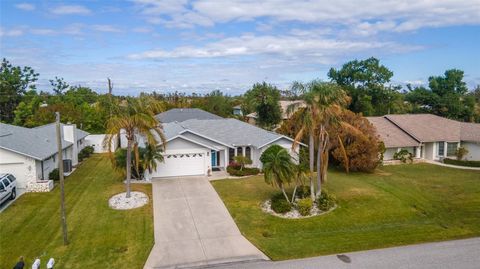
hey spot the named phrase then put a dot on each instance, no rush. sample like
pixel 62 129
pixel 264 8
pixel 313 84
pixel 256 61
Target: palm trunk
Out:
pixel 294 192
pixel 319 164
pixel 129 166
pixel 284 193
pixel 311 151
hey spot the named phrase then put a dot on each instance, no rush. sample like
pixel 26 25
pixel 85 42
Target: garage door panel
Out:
pixel 18 171
pixel 181 164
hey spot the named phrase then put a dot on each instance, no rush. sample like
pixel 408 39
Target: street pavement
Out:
pixel 458 254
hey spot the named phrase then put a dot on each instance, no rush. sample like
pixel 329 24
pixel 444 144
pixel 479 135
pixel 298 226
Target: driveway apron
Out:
pixel 193 227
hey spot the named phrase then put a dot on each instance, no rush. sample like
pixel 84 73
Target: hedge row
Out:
pixel 462 162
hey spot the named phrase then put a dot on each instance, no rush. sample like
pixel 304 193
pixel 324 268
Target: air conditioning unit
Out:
pixel 67 166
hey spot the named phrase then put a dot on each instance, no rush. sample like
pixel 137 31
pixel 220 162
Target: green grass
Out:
pixel 397 205
pixel 99 236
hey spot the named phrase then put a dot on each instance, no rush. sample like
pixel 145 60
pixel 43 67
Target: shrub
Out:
pixel 462 163
pixel 326 201
pixel 80 157
pixel 304 206
pixel 242 161
pixel 302 192
pixel 54 175
pixel 403 155
pixel 280 204
pixel 460 153
pixel 86 152
pixel 234 169
pixel 272 149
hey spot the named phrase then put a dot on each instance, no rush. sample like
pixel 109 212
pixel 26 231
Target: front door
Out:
pixel 214 158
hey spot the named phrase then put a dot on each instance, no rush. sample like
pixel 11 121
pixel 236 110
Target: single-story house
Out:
pixel 427 136
pixel 198 142
pixel 284 104
pixel 30 154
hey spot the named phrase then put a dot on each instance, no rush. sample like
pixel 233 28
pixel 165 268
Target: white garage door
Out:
pixel 18 170
pixel 181 164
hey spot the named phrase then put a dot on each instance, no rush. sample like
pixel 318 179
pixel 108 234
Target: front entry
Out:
pixel 214 158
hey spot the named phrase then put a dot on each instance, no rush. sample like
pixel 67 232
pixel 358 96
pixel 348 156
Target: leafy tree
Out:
pixel 135 117
pixel 14 81
pixel 217 103
pixel 447 96
pixel 279 170
pixel 366 83
pixel 361 143
pixel 59 85
pixel 264 98
pixel 275 148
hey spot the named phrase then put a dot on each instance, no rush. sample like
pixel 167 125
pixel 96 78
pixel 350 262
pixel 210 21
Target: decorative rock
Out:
pixel 293 214
pixel 121 202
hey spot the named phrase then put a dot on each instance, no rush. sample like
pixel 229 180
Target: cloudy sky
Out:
pixel 198 46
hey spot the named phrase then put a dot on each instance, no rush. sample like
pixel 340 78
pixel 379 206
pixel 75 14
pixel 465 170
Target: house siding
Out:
pixel 473 150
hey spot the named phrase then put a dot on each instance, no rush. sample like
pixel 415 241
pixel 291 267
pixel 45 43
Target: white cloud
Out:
pixel 286 46
pixel 106 28
pixel 71 10
pixel 366 17
pixel 142 30
pixel 25 6
pixel 43 31
pixel 12 32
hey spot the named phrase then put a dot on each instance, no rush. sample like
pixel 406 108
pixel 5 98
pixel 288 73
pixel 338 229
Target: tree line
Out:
pixel 366 82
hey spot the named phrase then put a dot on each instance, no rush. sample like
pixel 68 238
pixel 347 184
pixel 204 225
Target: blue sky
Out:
pixel 199 46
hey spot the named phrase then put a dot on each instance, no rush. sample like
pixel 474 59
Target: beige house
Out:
pixel 427 136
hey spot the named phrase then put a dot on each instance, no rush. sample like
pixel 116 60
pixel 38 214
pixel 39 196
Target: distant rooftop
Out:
pixel 183 114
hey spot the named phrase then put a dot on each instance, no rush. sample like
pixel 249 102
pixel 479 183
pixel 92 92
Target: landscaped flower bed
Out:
pixel 301 207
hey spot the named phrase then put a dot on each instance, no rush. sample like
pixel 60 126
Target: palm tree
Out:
pixel 278 169
pixel 135 117
pixel 150 156
pixel 323 105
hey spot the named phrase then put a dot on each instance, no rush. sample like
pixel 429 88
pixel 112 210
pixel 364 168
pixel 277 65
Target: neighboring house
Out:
pixel 30 154
pixel 427 136
pixel 96 141
pixel 252 117
pixel 237 110
pixel 199 142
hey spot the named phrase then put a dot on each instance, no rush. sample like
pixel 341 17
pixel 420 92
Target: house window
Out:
pixel 451 148
pixel 441 148
pixel 239 151
pixel 248 152
pixel 231 154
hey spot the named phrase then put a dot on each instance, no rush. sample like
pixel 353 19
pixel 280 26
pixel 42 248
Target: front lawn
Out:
pixel 99 236
pixel 397 205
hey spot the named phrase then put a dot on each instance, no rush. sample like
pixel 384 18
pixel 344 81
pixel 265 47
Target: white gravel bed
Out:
pixel 120 202
pixel 293 214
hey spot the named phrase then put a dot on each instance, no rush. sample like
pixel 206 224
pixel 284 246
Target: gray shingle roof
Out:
pixel 38 143
pixel 231 132
pixel 183 114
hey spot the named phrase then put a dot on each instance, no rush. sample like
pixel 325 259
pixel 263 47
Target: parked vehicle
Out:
pixel 8 187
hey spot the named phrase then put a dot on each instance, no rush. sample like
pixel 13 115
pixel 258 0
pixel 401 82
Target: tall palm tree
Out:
pixel 278 170
pixel 135 117
pixel 323 105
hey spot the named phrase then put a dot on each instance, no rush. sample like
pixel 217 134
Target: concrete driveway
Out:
pixel 193 227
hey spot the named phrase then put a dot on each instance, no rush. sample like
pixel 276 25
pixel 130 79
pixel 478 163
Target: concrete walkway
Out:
pixel 193 227
pixel 458 254
pixel 453 166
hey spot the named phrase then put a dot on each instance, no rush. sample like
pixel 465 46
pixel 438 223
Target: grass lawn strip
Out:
pixel 99 236
pixel 398 205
